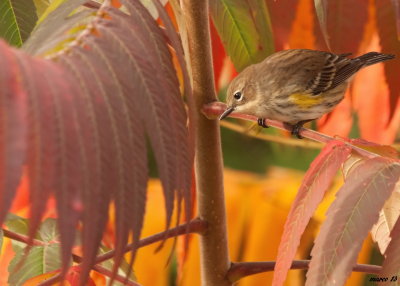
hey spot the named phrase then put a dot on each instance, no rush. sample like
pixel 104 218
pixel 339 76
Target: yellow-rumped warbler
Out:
pixel 295 86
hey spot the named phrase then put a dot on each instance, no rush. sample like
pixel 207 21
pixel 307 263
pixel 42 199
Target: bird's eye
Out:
pixel 238 95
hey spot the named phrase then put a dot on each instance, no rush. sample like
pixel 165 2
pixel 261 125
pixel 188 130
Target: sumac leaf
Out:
pixel 349 219
pixel 315 183
pixel 92 107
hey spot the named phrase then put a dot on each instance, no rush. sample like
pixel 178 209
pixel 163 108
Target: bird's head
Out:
pixel 241 93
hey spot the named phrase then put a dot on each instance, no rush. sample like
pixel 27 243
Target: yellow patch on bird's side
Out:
pixel 305 100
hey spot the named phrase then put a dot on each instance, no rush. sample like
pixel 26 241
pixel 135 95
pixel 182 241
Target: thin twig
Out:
pixel 117 277
pixel 272 138
pixel 22 238
pixel 194 226
pixel 215 109
pixel 243 269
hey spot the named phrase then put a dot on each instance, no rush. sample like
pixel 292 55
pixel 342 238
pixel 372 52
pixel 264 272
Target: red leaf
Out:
pixel 97 123
pixel 282 15
pixel 370 97
pixel 386 20
pixel 13 114
pixel 70 165
pixel 342 23
pixel 218 53
pixel 315 183
pixel 302 34
pixel 328 124
pixel 349 220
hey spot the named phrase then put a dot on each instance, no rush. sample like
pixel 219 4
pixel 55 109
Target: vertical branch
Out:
pixel 208 157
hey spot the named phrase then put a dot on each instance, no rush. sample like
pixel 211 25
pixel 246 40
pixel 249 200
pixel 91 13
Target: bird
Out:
pixel 295 86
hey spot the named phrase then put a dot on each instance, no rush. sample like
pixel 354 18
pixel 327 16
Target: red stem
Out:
pixel 117 277
pixel 22 238
pixel 243 269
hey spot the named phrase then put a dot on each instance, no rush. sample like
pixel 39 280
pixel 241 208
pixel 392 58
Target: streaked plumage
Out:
pixel 297 85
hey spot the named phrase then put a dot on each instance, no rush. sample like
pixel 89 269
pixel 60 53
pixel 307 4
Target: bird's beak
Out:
pixel 228 111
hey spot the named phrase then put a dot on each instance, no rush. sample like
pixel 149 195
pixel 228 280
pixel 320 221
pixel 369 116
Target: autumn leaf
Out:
pixel 91 106
pixel 315 183
pixel 349 219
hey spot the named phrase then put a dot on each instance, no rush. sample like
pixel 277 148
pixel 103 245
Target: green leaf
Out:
pixel 48 231
pixel 17 19
pixel 245 30
pixel 17 224
pixel 41 259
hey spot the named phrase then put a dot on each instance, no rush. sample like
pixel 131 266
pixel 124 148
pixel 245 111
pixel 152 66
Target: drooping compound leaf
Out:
pixel 349 219
pixel 92 104
pixel 342 23
pixel 245 30
pixel 386 14
pixel 315 183
pixel 17 19
pixel 186 179
pixel 41 259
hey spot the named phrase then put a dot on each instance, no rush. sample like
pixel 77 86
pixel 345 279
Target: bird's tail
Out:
pixel 374 57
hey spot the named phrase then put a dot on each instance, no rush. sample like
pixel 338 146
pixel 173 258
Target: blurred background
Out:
pixel 264 168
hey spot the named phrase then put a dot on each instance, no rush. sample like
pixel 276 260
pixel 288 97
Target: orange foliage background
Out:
pixel 257 205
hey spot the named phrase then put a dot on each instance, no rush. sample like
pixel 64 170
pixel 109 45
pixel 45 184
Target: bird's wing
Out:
pixel 336 70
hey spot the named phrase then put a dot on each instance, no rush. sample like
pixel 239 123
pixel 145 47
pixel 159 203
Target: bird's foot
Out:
pixel 262 122
pixel 297 127
pixel 296 130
